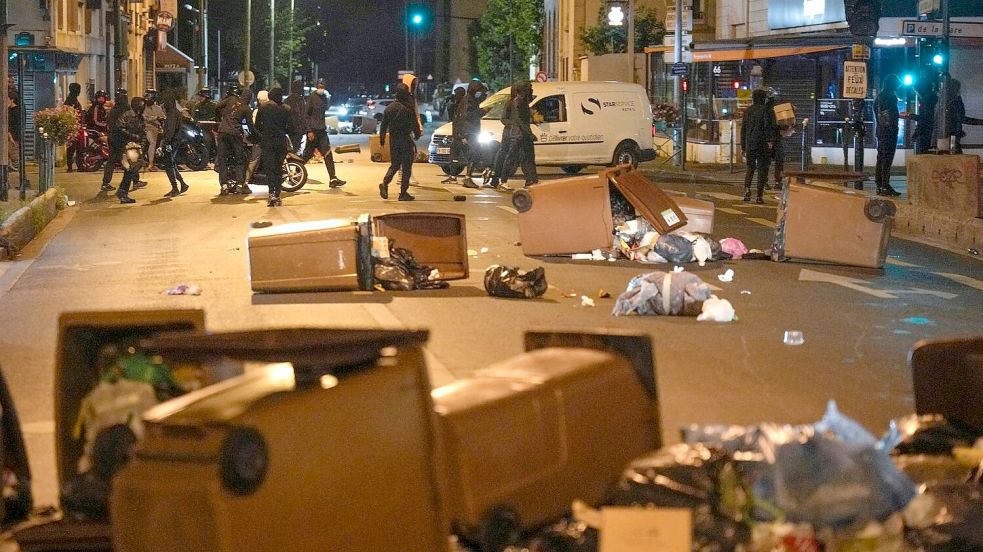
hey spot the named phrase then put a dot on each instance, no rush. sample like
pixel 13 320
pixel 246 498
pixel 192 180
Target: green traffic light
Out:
pixel 937 59
pixel 908 80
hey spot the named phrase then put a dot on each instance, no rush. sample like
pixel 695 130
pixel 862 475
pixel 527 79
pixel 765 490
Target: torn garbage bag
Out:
pixel 663 293
pixel 674 248
pixel 509 281
pixel 401 272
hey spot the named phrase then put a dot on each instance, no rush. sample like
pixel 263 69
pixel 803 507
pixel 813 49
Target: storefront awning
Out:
pixel 172 59
pixel 759 53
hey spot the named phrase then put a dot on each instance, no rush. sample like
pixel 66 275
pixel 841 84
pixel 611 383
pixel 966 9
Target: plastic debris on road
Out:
pixel 663 293
pixel 677 269
pixel 745 292
pixel 260 224
pixel 472 253
pixel 483 250
pixel 586 301
pixel 603 294
pixel 733 247
pixel 183 289
pixel 716 309
pixel 727 276
pixel 511 282
pixel 793 337
pixel 674 248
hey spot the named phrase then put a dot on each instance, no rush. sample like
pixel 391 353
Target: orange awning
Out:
pixel 759 53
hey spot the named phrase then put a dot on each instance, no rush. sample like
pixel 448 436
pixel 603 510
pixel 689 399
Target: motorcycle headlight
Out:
pixel 485 138
pixel 342 110
pixel 243 460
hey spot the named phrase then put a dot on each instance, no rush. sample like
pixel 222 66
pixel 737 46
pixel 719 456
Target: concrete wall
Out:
pixel 611 67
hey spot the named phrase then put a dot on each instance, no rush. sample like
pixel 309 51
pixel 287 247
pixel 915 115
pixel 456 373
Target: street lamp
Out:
pixel 200 44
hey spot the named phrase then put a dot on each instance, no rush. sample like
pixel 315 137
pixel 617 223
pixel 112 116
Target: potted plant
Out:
pixel 56 125
pixel 665 115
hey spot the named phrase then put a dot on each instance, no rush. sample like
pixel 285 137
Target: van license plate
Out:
pixel 443 151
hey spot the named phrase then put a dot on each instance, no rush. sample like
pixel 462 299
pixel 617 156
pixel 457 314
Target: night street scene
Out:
pixel 491 276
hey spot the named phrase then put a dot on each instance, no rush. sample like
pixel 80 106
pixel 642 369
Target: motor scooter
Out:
pixel 95 152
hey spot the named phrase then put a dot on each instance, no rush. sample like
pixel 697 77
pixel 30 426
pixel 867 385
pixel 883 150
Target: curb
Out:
pixel 957 232
pixel 26 223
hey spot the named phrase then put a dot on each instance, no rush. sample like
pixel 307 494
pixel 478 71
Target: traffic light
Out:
pixel 908 79
pixel 418 17
pixel 863 16
pixel 938 59
pixel 685 85
pixel 737 85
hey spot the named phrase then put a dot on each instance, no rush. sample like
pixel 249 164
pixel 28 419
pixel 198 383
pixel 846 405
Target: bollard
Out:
pixel 846 146
pixel 46 165
pixel 805 153
pixel 732 145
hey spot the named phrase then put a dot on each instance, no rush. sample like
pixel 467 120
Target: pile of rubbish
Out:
pixel 676 293
pixel 637 240
pixel 513 283
pixel 396 269
pixel 830 486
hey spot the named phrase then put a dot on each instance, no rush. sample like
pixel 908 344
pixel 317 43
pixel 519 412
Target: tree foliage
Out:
pixel 606 39
pixel 508 27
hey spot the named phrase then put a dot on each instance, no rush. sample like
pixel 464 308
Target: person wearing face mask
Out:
pixel 131 128
pixel 467 127
pixel 153 115
pixel 272 124
pixel 231 155
pixel 76 147
pixel 172 140
pixel 517 139
pixel 400 124
pixel 117 138
pixel 297 105
pixel 317 133
pixel 253 141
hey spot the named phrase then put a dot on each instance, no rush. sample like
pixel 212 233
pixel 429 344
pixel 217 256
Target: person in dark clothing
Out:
pixel 204 108
pixel 96 117
pixel 454 101
pixel 172 140
pixel 886 116
pixel 957 116
pixel 758 135
pixel 517 139
pixel 459 145
pixel 400 123
pixel 466 128
pixel 117 137
pixel 778 150
pixel 13 130
pixel 317 133
pixel 273 125
pixel 131 127
pixel 928 99
pixel 231 155
pixel 298 113
pixel 76 147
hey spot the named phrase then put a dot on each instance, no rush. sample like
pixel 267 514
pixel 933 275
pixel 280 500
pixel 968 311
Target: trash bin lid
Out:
pixel 647 198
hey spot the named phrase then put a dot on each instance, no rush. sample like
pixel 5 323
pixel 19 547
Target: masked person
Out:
pixel 758 134
pixel 778 149
pixel 400 123
pixel 117 137
pixel 928 99
pixel 317 133
pixel 272 124
pixel 886 115
pixel 172 140
pixel 76 147
pixel 131 129
pixel 252 140
pixel 97 116
pixel 153 116
pixel 204 108
pixel 467 127
pixel 230 157
pixel 297 105
pixel 518 149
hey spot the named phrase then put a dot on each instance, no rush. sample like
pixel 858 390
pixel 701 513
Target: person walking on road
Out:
pixel 230 156
pixel 400 123
pixel 253 146
pixel 517 139
pixel 297 105
pixel 778 150
pixel 886 116
pixel 153 116
pixel 172 140
pixel 273 125
pixel 117 137
pixel 317 133
pixel 131 129
pixel 76 147
pixel 467 127
pixel 758 135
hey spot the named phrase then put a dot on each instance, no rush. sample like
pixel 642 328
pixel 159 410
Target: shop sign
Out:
pixel 860 51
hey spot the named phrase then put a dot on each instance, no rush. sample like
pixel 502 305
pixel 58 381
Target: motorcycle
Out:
pixel 96 150
pixel 195 153
pixel 294 173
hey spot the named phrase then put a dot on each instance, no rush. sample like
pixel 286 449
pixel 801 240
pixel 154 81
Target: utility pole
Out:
pixel 249 26
pixel 943 142
pixel 631 41
pixel 678 81
pixel 290 51
pixel 203 48
pixel 4 78
pixel 272 80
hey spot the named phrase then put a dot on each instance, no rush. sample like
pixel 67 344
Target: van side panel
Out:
pixel 602 120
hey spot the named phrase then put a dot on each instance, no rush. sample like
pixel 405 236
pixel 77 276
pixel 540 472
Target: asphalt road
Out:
pixel 99 254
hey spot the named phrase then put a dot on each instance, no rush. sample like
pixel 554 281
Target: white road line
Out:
pixel 964 280
pixel 723 195
pixel 731 211
pixel 763 222
pixel 508 209
pixel 899 262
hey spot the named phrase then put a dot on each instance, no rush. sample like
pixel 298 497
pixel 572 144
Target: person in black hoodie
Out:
pixel 117 137
pixel 317 133
pixel 172 140
pixel 759 131
pixel 466 128
pixel 76 147
pixel 298 113
pixel 886 114
pixel 400 123
pixel 231 156
pixel 273 124
pixel 517 139
pixel 131 128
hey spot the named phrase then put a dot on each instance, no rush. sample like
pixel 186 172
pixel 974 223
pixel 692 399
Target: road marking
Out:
pixel 723 195
pixel 899 262
pixel 964 280
pixel 857 284
pixel 731 211
pixel 763 222
pixel 508 209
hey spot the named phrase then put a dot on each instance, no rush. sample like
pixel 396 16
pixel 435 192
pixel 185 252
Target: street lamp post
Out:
pixel 631 41
pixel 249 26
pixel 270 81
pixel 290 50
pixel 199 44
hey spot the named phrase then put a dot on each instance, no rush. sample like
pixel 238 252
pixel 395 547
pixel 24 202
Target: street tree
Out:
pixel 508 36
pixel 607 39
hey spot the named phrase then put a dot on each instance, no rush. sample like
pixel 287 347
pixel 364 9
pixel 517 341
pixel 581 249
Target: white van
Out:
pixel 581 123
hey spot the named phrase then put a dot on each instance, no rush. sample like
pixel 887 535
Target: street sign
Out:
pixel 854 80
pixel 541 76
pixel 671 19
pixel 679 69
pixel 911 27
pixel 165 21
pixel 246 78
pixel 927 6
pixel 860 51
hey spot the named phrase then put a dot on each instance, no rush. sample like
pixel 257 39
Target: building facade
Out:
pixel 453 22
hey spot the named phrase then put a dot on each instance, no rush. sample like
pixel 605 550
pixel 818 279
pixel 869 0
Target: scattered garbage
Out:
pixel 484 250
pixel 678 269
pixel 400 271
pixel 973 251
pixel 702 251
pixel 460 198
pixel 793 337
pixel 663 293
pixel 586 301
pixel 261 224
pixel 472 253
pixel 745 292
pixel 717 310
pixel 727 276
pixel 601 294
pixel 674 248
pixel 511 282
pixel 733 247
pixel 183 289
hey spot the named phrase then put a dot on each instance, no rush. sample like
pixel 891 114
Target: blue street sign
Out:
pixel 679 69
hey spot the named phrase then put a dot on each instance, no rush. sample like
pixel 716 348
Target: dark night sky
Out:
pixel 358 41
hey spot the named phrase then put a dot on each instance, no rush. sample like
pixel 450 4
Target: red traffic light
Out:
pixel 685 85
pixel 737 85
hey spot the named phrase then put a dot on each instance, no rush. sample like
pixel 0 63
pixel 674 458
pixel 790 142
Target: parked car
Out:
pixel 351 107
pixel 575 123
pixel 375 108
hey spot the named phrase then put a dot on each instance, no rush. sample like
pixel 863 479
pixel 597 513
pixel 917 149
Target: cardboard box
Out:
pixel 836 226
pixel 378 153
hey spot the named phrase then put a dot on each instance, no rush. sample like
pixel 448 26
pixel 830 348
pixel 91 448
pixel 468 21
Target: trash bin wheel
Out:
pixel 377 158
pixel 878 210
pixel 522 200
pixel 243 460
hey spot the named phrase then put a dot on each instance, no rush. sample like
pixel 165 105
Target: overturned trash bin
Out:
pixel 574 215
pixel 821 223
pixel 336 255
